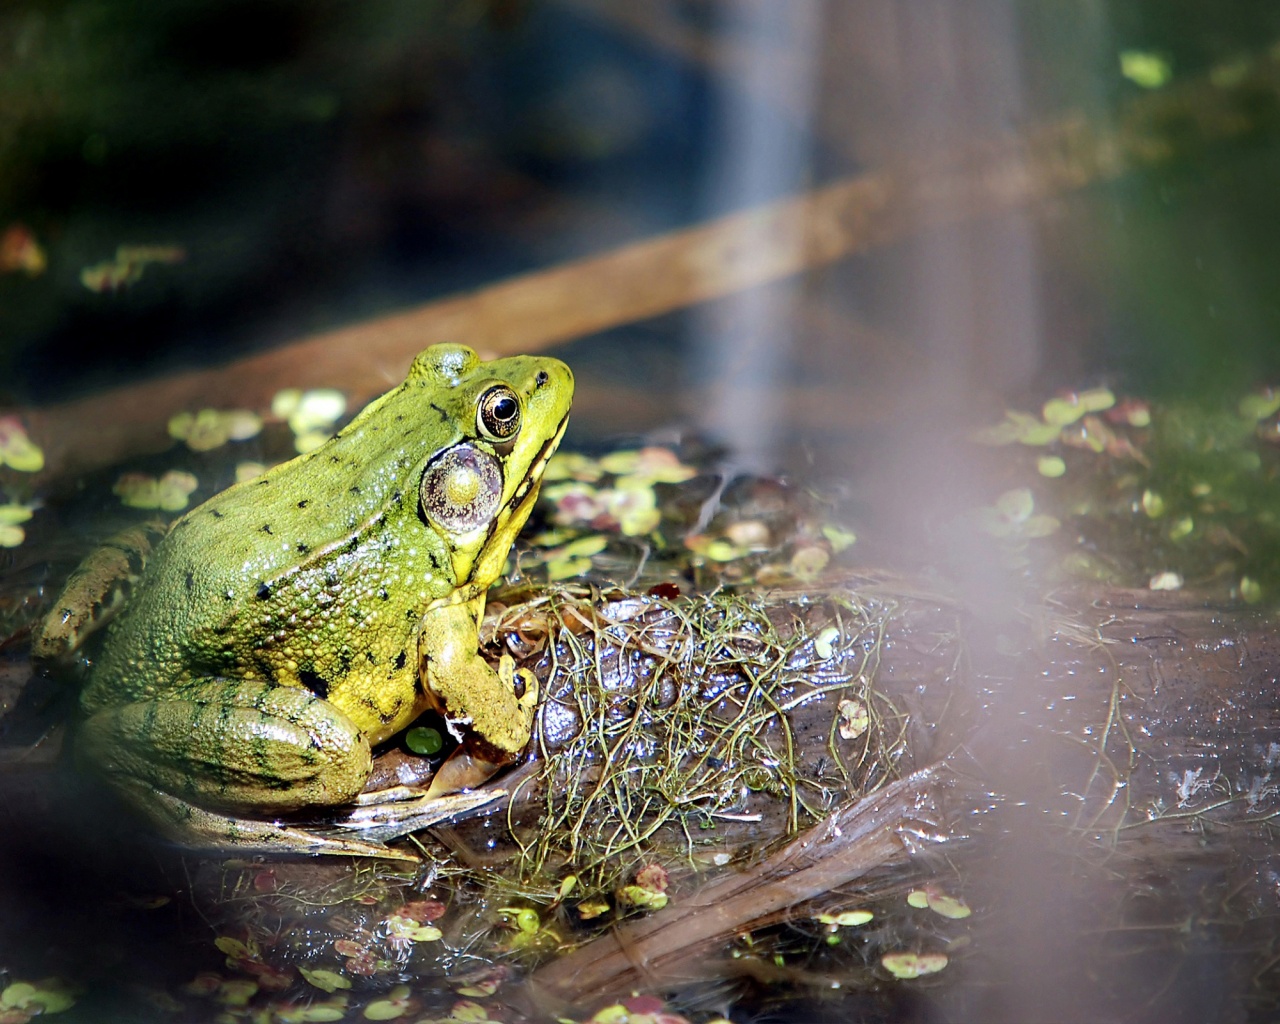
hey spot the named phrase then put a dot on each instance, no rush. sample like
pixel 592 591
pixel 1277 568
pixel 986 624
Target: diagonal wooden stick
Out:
pixel 665 945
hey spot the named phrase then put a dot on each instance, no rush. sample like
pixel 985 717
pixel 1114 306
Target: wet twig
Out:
pixel 847 845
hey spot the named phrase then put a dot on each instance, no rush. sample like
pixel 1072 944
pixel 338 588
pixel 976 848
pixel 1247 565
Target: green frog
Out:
pixel 289 624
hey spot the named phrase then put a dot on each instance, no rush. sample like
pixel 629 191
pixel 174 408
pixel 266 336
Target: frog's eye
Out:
pixel 498 415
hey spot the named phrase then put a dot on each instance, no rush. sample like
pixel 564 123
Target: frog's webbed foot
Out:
pixel 467 767
pixel 392 813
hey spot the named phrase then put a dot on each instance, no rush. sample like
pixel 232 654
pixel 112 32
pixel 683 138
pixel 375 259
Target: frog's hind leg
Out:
pixel 221 745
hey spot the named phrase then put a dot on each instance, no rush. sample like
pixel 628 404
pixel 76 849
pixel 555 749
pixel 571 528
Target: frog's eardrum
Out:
pixel 462 489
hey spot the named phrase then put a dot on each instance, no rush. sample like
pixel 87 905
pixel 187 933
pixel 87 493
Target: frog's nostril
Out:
pixel 541 378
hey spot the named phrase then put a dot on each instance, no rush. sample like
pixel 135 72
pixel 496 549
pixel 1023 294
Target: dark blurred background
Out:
pixel 322 162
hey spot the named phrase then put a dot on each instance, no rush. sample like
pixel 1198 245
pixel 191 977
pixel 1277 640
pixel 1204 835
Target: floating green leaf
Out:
pixel 327 981
pixel 1050 466
pixel 855 719
pixel 17 450
pixel 913 965
pixel 395 1005
pixel 824 643
pixel 424 740
pixel 1145 69
pixel 838 537
pixel 847 918
pixel 1250 590
pixel 1152 504
pixel 1260 405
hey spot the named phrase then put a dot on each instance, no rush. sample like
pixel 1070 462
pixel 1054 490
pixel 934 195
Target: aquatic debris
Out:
pixel 567 885
pixel 11 534
pixel 572 466
pixel 748 529
pixel 1181 528
pixel 172 492
pixel 19 250
pixel 128 266
pixel 808 561
pixel 1072 405
pixel 1165 581
pixel 310 414
pixel 714 548
pixel 17 450
pixel 913 965
pixel 236 992
pixel 208 429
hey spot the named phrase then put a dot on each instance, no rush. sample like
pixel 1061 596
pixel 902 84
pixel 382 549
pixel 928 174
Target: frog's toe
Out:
pixel 529 702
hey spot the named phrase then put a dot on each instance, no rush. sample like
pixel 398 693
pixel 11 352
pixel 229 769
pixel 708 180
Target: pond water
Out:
pixel 820 243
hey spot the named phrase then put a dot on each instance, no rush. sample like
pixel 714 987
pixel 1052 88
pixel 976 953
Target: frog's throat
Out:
pixel 517 509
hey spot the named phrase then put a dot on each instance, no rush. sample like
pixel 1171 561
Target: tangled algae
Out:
pixel 678 727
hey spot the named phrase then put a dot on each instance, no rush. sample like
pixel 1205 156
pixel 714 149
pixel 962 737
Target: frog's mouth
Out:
pixel 534 477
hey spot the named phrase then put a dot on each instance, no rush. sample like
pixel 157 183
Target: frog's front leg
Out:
pixel 211 761
pixel 492 711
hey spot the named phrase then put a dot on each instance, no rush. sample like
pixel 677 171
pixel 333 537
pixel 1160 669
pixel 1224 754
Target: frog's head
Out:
pixel 506 418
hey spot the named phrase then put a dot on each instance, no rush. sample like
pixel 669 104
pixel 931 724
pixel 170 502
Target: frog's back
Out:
pixel 252 582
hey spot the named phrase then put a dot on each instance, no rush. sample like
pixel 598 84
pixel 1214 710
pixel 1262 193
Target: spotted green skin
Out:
pixel 277 632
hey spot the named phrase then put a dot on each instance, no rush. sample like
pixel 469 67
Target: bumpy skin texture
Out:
pixel 278 630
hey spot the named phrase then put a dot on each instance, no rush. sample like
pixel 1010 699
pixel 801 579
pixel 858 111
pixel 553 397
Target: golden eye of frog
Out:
pixel 288 624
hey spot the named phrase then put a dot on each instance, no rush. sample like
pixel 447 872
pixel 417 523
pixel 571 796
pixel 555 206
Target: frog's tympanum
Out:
pixel 288 624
